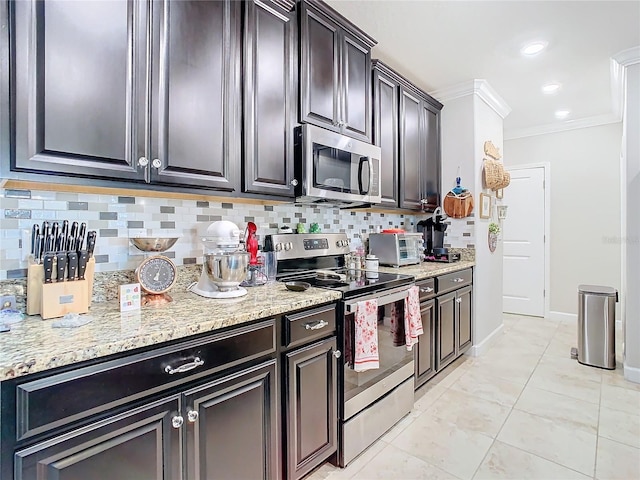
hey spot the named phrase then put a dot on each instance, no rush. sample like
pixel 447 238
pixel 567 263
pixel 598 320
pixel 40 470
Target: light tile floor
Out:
pixel 522 410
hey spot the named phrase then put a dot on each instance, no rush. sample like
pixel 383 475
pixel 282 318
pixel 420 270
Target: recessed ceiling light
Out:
pixel 550 88
pixel 533 48
pixel 562 113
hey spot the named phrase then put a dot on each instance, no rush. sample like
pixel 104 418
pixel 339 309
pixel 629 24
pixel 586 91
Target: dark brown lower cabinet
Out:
pixel 229 429
pixel 135 445
pixel 453 326
pixel 426 352
pixel 231 426
pixel 311 406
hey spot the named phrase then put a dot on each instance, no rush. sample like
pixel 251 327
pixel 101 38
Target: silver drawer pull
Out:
pixel 458 300
pixel 426 290
pixel 317 325
pixel 184 368
pixel 458 280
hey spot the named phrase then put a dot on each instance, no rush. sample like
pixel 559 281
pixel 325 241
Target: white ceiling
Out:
pixel 441 44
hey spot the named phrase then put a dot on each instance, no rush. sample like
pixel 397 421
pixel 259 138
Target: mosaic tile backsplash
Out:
pixel 116 218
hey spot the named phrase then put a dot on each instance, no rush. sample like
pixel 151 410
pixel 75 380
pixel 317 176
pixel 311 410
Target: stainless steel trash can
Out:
pixel 596 326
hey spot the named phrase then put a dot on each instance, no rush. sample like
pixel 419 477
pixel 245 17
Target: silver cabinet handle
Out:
pixel 317 325
pixel 156 163
pixel 337 354
pixel 192 416
pixel 143 161
pixel 426 290
pixel 294 182
pixel 177 421
pixel 184 368
pixel 458 280
pixel 458 300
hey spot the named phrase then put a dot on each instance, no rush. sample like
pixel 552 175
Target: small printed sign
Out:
pixel 130 297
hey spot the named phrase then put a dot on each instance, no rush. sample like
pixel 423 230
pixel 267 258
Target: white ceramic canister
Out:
pixel 371 266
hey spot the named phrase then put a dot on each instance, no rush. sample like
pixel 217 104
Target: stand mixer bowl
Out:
pixel 226 270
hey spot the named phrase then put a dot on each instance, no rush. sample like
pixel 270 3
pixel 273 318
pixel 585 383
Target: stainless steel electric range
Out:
pixel 370 402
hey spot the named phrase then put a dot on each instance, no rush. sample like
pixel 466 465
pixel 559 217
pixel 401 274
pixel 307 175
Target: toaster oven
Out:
pixel 397 249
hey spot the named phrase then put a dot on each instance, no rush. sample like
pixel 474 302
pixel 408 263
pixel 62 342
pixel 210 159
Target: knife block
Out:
pixel 56 299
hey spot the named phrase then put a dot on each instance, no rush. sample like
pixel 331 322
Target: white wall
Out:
pixel 585 206
pixel 467 122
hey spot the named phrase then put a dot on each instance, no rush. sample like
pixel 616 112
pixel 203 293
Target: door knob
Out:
pixel 177 421
pixel 337 353
pixel 156 163
pixel 294 182
pixel 143 161
pixel 192 416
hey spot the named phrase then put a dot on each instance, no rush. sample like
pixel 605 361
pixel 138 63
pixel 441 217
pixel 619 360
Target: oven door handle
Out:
pixel 383 299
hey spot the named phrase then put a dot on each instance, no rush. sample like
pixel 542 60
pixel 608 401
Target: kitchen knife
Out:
pixel 46 229
pixel 60 243
pixel 37 250
pixel 47 263
pixel 91 242
pixel 68 242
pixel 81 235
pixel 72 265
pixel 55 229
pixel 35 232
pixel 65 228
pixel 48 244
pixel 61 258
pixel 83 257
pixel 74 229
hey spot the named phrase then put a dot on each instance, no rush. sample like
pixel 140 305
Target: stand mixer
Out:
pixel 224 265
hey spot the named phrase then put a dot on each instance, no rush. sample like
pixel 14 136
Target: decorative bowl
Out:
pixel 149 244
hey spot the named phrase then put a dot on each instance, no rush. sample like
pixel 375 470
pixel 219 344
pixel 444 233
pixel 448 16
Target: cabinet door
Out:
pixel 446 330
pixel 463 306
pixel 80 75
pixel 196 94
pixel 425 353
pixel 232 426
pixel 385 134
pixel 270 58
pixel 431 162
pixel 356 88
pixel 131 446
pixel 311 407
pixel 319 69
pixel 411 150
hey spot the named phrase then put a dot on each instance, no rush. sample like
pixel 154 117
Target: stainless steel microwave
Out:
pixel 334 168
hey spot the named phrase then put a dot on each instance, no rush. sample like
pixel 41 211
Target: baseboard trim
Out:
pixel 477 350
pixel 632 374
pixel 563 316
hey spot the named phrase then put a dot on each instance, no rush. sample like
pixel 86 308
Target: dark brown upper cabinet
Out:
pixel 128 90
pixel 335 65
pixel 270 96
pixel 386 88
pixel 406 124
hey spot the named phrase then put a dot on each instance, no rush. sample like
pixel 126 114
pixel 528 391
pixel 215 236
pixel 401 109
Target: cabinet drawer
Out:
pixel 57 400
pixel 427 288
pixel 452 281
pixel 303 327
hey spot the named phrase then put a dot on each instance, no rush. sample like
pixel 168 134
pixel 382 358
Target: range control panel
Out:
pixel 315 243
pixel 307 245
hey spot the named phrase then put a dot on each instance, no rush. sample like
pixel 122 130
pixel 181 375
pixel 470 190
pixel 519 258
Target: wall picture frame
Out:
pixel 485 205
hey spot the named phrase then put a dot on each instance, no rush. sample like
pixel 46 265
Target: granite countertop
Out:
pixel 33 345
pixel 429 269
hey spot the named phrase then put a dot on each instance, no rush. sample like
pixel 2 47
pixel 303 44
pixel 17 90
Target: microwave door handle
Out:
pixel 362 161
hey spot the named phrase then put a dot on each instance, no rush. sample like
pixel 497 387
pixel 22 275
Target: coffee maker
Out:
pixel 433 229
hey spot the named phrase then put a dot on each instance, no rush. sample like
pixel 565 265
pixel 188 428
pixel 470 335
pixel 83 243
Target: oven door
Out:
pixel 360 389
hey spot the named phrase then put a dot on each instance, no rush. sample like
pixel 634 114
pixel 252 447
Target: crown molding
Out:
pixel 478 87
pixel 586 122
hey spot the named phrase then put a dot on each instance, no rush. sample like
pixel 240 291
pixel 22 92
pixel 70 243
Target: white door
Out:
pixel 523 243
